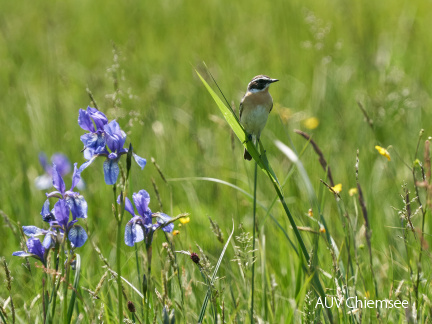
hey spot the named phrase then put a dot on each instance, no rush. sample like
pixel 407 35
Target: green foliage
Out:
pixel 328 55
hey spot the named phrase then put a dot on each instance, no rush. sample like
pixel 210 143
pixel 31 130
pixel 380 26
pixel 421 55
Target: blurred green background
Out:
pixel 328 55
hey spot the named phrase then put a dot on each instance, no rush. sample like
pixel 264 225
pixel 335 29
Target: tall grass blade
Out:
pixel 2 317
pixel 132 286
pixel 235 125
pixel 263 163
pixel 207 297
pixel 75 286
pixel 253 244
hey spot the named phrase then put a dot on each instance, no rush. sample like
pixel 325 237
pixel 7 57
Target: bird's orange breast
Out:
pixel 255 110
pixel 262 98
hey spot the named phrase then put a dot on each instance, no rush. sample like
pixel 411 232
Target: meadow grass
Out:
pixel 360 68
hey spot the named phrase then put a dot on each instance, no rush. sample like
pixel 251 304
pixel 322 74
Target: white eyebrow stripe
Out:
pixel 261 79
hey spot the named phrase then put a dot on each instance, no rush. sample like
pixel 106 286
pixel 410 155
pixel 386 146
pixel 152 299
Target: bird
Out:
pixel 255 108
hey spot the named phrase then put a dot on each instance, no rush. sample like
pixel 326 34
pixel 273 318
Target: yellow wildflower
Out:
pixel 176 232
pixel 352 191
pixel 337 188
pixel 310 212
pixel 184 220
pixel 311 123
pixel 367 294
pixel 322 230
pixel 383 152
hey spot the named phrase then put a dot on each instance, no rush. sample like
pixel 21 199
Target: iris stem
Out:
pixel 53 298
pixel 149 281
pixel 118 256
pixel 119 285
pixel 139 279
pixel 44 301
pixel 65 266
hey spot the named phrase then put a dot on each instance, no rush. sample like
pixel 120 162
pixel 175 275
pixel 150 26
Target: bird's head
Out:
pixel 260 83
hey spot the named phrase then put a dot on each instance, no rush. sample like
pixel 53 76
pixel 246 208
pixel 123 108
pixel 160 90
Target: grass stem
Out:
pixel 253 243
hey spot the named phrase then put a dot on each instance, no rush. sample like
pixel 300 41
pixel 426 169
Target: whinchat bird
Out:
pixel 255 107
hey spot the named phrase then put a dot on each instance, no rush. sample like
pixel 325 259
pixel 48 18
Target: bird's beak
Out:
pixel 274 80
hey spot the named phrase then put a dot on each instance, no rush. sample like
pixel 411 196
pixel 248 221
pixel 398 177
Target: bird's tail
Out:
pixel 247 155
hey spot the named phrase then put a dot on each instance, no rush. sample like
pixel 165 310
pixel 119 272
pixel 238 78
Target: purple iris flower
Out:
pixel 63 164
pixel 115 139
pixel 69 202
pixel 35 248
pixel 141 226
pixel 93 121
pixel 107 139
pixel 60 160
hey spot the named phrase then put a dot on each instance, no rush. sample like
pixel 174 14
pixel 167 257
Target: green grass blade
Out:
pixel 207 297
pixel 235 125
pixel 75 286
pixel 133 287
pixel 2 317
pixel 293 157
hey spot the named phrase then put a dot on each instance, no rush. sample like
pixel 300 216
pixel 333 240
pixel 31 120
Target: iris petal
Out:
pixel 77 236
pixel 48 241
pixel 140 161
pixel 141 200
pixel 115 137
pixel 133 232
pixel 163 219
pixel 35 247
pixel 76 177
pixel 111 171
pixel 129 207
pixel 58 182
pixel 98 117
pixel 86 164
pixel 22 254
pixel 62 163
pixel 77 205
pixel 32 230
pixel 85 121
pixel 61 211
pixel 45 208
